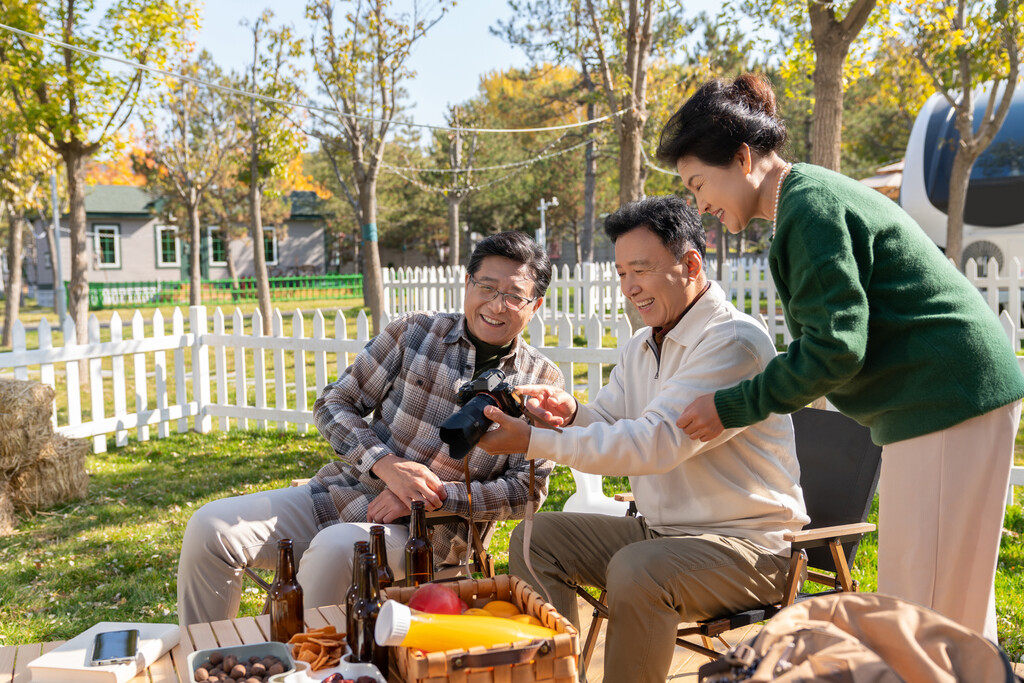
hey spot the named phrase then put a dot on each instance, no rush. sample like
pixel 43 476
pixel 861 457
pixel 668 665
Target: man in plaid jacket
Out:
pixel 407 377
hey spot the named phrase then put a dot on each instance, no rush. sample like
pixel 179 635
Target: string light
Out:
pixel 286 103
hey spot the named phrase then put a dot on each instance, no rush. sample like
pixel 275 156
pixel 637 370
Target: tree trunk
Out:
pixel 373 286
pixel 453 229
pixel 826 129
pixel 959 176
pixel 78 294
pixel 589 192
pixel 259 258
pixel 232 270
pixel 195 276
pixel 14 257
pixel 631 163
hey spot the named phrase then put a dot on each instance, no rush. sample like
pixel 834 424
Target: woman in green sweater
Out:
pixel 884 327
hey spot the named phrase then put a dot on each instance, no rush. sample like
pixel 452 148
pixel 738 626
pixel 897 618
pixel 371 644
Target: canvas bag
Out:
pixel 860 637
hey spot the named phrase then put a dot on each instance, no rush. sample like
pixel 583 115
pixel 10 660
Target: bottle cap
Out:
pixel 393 623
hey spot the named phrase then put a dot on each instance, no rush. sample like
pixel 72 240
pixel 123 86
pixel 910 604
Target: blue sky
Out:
pixel 449 60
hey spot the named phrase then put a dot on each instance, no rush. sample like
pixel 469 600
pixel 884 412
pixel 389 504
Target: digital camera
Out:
pixel 464 428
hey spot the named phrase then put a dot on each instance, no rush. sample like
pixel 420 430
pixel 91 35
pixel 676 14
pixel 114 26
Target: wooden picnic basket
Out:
pixel 549 661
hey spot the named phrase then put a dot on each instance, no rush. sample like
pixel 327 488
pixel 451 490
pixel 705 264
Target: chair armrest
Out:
pixel 828 532
pixel 624 497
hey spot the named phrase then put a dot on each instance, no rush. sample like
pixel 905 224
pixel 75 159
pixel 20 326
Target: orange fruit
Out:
pixel 476 611
pixel 526 619
pixel 502 608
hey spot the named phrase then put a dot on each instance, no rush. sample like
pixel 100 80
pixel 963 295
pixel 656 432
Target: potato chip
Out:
pixel 320 647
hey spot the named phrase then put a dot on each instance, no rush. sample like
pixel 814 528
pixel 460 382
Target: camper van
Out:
pixel 994 212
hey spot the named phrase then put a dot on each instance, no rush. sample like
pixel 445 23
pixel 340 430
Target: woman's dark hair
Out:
pixel 675 222
pixel 519 247
pixel 721 116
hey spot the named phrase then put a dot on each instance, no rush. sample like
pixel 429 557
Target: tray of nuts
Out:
pixel 253 663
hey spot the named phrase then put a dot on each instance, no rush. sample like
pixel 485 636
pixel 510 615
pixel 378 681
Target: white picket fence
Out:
pixel 136 366
pixel 147 363
pixel 579 293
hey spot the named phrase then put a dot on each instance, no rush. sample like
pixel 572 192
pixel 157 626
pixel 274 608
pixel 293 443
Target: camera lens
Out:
pixel 463 429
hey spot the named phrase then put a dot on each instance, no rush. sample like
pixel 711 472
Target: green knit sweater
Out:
pixel 882 323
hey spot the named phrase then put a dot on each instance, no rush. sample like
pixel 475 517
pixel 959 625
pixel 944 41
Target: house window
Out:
pixel 218 246
pixel 107 245
pixel 168 247
pixel 270 245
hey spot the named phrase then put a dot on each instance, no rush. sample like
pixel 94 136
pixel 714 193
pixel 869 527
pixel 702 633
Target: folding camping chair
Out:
pixel 839 467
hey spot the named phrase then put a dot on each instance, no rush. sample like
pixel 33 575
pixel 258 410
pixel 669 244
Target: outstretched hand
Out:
pixel 555 406
pixel 700 419
pixel 511 436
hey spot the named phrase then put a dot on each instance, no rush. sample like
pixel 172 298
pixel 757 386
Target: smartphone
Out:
pixel 115 647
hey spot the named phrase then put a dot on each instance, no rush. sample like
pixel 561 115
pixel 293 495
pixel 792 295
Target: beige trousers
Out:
pixel 941 504
pixel 227 535
pixel 653 581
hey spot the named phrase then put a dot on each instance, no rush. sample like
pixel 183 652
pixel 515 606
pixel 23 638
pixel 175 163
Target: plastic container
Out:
pixel 243 652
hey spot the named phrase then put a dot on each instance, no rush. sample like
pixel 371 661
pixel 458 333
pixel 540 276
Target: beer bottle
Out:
pixel 358 550
pixel 385 574
pixel 366 609
pixel 419 553
pixel 285 596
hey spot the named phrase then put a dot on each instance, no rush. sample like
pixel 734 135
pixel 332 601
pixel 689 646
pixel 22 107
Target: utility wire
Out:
pixel 514 164
pixel 275 100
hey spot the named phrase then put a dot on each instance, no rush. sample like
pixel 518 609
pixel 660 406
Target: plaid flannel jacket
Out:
pixel 408 377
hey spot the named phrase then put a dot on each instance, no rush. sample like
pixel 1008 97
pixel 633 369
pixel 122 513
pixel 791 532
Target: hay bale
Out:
pixel 57 477
pixel 25 410
pixel 7 520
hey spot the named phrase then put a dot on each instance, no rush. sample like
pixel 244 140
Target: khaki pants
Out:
pixel 941 504
pixel 227 535
pixel 653 581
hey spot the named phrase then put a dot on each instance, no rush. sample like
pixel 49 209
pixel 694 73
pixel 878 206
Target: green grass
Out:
pixel 113 556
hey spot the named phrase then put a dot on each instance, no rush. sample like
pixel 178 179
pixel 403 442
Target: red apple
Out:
pixel 436 599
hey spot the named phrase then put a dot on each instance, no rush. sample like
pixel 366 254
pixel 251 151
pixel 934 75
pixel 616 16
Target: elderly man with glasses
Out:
pixel 407 377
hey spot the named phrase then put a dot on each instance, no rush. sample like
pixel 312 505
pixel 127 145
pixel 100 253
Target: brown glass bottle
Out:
pixel 285 596
pixel 358 550
pixel 419 553
pixel 366 609
pixel 378 546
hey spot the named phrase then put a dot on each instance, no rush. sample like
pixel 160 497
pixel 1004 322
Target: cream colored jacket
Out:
pixel 744 483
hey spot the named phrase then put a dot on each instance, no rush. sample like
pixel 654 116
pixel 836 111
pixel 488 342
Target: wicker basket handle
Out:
pixel 512 656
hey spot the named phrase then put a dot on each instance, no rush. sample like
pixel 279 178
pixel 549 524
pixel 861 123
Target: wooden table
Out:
pixel 172 667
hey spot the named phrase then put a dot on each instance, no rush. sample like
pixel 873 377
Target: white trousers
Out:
pixel 941 505
pixel 227 535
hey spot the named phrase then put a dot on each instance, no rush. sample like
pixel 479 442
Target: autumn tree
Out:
pixel 361 61
pixel 961 45
pixel 75 103
pixel 827 31
pixel 188 149
pixel 270 136
pixel 25 167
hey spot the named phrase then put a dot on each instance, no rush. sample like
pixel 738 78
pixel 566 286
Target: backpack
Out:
pixel 859 637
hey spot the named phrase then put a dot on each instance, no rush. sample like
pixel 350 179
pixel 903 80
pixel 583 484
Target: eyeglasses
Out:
pixel 514 302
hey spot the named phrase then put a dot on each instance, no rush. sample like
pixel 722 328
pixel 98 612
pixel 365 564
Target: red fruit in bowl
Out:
pixel 436 599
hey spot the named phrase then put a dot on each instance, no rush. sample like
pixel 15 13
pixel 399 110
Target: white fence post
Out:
pixel 301 400
pixel 220 356
pixel 280 386
pixel 241 386
pixel 99 442
pixel 117 378
pixel 141 377
pixel 180 383
pixel 258 369
pixel 46 373
pixel 200 368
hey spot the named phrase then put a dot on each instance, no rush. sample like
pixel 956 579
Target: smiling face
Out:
pixel 492 321
pixel 658 284
pixel 726 192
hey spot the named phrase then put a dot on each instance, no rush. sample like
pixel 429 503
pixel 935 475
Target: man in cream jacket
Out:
pixel 712 515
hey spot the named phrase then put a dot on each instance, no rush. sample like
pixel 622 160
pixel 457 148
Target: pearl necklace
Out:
pixel 778 191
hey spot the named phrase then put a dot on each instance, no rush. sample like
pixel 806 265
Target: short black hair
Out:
pixel 519 247
pixel 675 222
pixel 720 117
